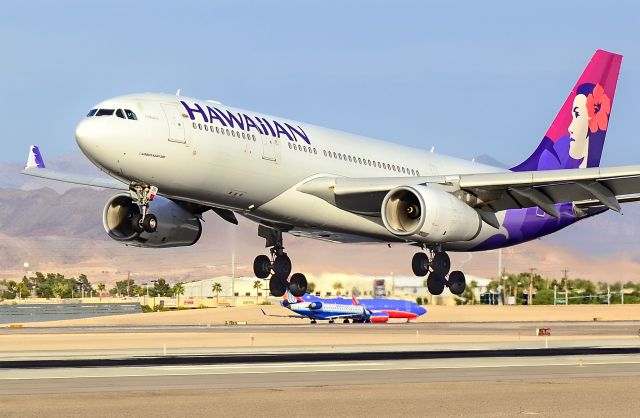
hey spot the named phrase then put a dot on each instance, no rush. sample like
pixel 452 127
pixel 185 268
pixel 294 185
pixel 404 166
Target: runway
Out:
pixel 416 369
pixel 488 387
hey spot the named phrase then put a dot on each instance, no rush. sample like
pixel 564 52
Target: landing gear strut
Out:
pixel 278 266
pixel 437 268
pixel 141 196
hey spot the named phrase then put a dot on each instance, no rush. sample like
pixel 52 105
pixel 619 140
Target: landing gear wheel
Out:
pixel 441 263
pixel 277 286
pixel 282 265
pixel 262 266
pixel 346 321
pixel 420 264
pixel 136 223
pixel 313 321
pixel 150 223
pixel 457 282
pixel 435 283
pixel 298 285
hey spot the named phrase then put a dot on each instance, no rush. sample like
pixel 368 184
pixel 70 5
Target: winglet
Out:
pixel 263 312
pixel 35 158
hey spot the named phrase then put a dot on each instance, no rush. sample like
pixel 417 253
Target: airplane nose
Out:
pixel 83 135
pixel 420 310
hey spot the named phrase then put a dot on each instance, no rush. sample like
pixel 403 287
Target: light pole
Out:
pixel 154 295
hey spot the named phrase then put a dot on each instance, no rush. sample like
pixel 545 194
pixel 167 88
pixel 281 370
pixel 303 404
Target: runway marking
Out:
pixel 320 370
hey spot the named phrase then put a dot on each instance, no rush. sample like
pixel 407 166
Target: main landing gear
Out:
pixel 278 266
pixel 437 268
pixel 141 196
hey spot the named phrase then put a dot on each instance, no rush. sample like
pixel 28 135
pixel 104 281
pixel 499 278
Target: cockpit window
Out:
pixel 120 113
pixel 104 112
pixel 130 114
pixel 92 112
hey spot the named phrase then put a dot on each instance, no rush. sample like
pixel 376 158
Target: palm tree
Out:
pixel 22 289
pixel 178 289
pixel 216 288
pixel 101 288
pixel 258 286
pixel 337 286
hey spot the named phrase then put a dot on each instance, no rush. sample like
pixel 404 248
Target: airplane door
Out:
pixel 176 126
pixel 269 145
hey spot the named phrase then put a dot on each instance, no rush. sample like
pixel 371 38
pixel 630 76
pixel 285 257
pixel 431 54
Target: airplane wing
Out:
pixel 283 316
pixel 35 167
pixel 491 192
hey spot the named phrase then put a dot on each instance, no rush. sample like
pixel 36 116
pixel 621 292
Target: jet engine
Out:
pixel 177 227
pixel 429 215
pixel 315 305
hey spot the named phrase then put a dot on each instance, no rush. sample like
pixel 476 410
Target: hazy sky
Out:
pixel 467 77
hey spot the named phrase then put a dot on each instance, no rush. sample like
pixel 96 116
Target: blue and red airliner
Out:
pixel 365 310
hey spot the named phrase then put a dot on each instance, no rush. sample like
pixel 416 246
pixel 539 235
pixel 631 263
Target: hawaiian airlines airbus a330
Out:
pixel 175 158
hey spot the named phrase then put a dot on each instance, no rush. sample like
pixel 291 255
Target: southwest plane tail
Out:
pixel 576 137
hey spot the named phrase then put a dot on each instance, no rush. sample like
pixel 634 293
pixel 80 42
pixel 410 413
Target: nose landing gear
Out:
pixel 437 268
pixel 141 196
pixel 278 266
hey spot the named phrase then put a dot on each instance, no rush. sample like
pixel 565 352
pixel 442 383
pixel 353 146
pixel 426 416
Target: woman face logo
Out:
pixel 579 128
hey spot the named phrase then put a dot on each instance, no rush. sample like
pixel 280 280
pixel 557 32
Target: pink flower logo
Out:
pixel 598 108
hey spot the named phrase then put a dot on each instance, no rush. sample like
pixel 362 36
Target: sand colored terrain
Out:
pixel 435 314
pixel 66 341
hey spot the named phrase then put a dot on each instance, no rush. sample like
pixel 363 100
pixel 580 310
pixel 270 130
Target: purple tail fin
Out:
pixel 576 137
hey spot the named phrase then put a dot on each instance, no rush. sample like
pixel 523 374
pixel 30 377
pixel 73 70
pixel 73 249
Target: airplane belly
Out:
pixel 315 218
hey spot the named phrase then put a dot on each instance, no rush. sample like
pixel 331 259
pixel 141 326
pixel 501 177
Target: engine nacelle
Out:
pixel 429 215
pixel 315 305
pixel 177 227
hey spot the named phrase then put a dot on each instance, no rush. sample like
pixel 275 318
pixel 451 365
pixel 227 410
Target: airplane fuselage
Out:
pixel 214 155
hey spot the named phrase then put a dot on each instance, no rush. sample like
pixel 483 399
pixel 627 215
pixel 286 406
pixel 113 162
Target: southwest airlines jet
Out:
pixel 174 158
pixel 367 310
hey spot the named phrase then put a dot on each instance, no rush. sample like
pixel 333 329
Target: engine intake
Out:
pixel 177 227
pixel 429 215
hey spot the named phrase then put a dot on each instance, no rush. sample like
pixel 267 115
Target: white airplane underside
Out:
pixel 172 158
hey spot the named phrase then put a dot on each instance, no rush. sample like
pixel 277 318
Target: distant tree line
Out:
pixel 56 285
pixel 576 291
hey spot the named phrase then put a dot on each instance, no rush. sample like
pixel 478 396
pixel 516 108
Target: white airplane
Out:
pixel 176 157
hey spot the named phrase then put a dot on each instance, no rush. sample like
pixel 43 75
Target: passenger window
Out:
pixel 340 157
pixel 233 134
pixel 369 162
pixel 92 112
pixel 200 126
pixel 305 148
pixel 104 112
pixel 289 145
pixel 130 114
pixel 335 155
pixel 206 128
pixel 228 133
pixel 194 125
pixel 243 136
pixel 217 130
pixel 295 147
pixel 315 151
pixel 349 158
pixel 359 160
pixel 325 152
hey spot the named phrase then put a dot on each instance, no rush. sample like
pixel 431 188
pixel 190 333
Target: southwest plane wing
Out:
pixel 492 192
pixel 327 317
